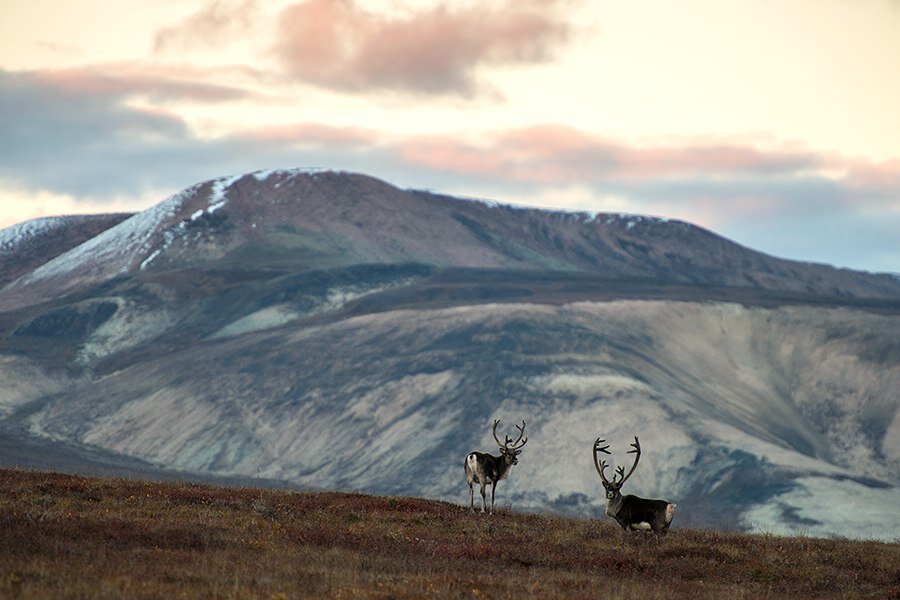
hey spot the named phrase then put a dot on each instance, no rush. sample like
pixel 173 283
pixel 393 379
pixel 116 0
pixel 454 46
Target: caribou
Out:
pixel 486 469
pixel 631 512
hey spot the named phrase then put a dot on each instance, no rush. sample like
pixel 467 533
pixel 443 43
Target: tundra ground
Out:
pixel 67 536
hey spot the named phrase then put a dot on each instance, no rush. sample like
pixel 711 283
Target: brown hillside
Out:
pixel 67 536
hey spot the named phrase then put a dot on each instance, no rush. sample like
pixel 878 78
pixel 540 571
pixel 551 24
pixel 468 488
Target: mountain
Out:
pixel 330 330
pixel 27 246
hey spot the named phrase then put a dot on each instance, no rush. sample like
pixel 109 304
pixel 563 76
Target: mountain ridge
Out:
pixel 325 219
pixel 26 246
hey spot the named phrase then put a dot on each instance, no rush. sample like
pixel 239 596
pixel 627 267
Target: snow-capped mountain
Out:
pixel 330 330
pixel 321 219
pixel 28 245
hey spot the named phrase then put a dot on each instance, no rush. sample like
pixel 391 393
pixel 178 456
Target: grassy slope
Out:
pixel 69 536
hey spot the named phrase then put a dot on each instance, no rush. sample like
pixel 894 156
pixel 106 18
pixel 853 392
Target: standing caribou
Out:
pixel 484 468
pixel 631 512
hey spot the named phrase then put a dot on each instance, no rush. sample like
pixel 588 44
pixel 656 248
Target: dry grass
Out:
pixel 64 536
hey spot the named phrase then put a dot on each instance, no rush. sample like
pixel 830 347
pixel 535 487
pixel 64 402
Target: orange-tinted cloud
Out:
pixel 338 45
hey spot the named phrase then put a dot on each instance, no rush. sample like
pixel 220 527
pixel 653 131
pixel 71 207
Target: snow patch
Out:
pixel 114 251
pixel 631 220
pixel 267 173
pixel 214 207
pixel 217 196
pixel 13 237
pixel 150 258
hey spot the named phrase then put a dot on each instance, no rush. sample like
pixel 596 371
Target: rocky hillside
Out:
pixel 332 331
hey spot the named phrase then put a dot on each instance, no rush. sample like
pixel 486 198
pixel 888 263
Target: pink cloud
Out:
pixel 442 154
pixel 710 182
pixel 125 79
pixel 662 161
pixel 560 154
pixel 313 133
pixel 867 174
pixel 212 25
pixel 338 45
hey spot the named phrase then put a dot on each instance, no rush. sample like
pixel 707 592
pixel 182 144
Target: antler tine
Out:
pixel 516 445
pixel 636 446
pixel 599 464
pixel 597 447
pixel 494 431
pixel 636 450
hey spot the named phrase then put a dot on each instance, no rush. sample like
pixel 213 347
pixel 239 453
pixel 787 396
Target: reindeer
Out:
pixel 484 468
pixel 631 512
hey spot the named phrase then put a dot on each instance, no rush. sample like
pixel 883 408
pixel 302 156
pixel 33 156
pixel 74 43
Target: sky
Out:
pixel 775 123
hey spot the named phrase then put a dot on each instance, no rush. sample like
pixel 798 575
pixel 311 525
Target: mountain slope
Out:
pixel 330 330
pixel 27 246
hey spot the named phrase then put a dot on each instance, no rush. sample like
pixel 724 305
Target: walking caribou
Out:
pixel 631 512
pixel 486 469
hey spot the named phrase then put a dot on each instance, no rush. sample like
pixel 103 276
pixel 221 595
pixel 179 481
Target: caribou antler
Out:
pixel 619 476
pixel 494 431
pixel 636 450
pixel 516 445
pixel 509 444
pixel 600 465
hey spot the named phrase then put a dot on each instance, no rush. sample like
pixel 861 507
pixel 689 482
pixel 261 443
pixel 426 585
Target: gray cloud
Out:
pixel 90 143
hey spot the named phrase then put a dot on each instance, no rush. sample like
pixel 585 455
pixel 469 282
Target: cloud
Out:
pixel 154 81
pixel 75 132
pixel 69 136
pixel 338 45
pixel 300 134
pixel 760 195
pixel 553 154
pixel 77 136
pixel 213 25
